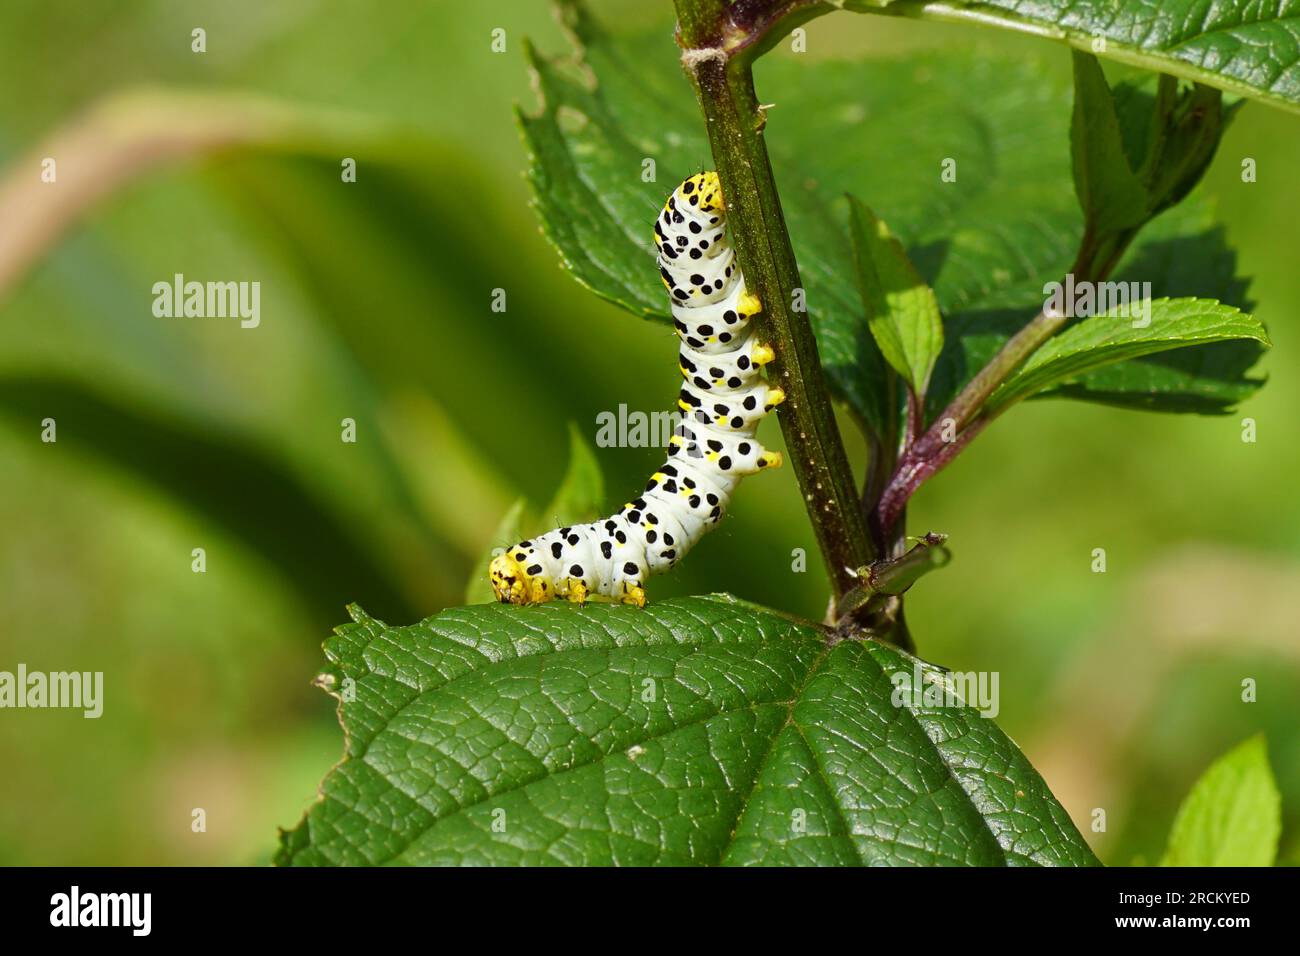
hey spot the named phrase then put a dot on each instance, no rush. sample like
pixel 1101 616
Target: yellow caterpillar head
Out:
pixel 709 188
pixel 712 187
pixel 510 581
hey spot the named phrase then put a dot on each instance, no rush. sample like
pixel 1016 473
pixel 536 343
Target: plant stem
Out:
pixel 701 22
pixel 725 84
pixel 979 389
pixel 913 471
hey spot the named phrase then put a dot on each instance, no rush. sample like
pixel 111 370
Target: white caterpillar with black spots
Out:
pixel 723 398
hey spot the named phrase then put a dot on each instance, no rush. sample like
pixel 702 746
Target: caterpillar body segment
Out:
pixel 734 370
pixel 723 398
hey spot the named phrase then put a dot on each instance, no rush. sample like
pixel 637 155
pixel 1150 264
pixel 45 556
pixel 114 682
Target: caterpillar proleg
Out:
pixel 722 399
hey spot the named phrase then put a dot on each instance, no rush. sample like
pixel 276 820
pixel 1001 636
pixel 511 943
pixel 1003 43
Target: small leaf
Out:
pixel 1110 194
pixel 1112 337
pixel 1137 154
pixel 699 730
pixel 902 312
pixel 1232 816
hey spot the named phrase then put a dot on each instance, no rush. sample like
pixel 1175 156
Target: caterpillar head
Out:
pixel 709 187
pixel 702 191
pixel 510 580
pixel 711 192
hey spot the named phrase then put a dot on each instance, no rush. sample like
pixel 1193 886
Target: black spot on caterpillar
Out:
pixel 720 360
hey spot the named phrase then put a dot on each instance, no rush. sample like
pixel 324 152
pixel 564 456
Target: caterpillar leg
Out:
pixel 633 593
pixel 749 305
pixel 762 355
pixel 576 591
pixel 775 396
pixel 539 591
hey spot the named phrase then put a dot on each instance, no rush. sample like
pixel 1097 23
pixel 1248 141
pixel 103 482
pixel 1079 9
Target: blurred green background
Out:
pixel 178 434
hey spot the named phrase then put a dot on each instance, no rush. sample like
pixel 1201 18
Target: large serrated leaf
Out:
pixel 1247 48
pixel 987 242
pixel 697 731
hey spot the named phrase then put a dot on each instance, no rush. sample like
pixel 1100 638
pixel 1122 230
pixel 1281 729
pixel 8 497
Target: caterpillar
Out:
pixel 722 399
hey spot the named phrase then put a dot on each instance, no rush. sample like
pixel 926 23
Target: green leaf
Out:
pixel 986 242
pixel 1112 337
pixel 1247 48
pixel 1137 153
pixel 1204 381
pixel 579 498
pixel 698 731
pixel 1110 193
pixel 902 312
pixel 1232 816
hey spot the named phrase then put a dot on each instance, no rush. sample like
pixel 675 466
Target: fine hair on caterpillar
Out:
pixel 723 397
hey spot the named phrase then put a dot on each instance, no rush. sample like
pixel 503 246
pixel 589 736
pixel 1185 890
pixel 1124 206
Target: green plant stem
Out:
pixel 979 389
pixel 701 22
pixel 725 84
